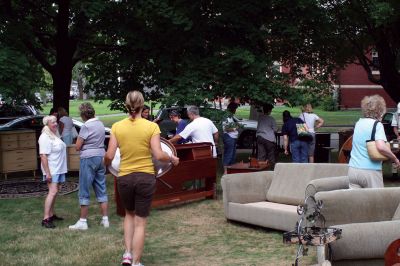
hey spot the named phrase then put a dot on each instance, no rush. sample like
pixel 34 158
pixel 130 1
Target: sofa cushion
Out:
pixel 396 215
pixel 291 179
pixel 266 214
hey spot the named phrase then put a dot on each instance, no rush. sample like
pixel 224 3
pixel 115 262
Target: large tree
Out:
pixel 58 34
pixel 325 34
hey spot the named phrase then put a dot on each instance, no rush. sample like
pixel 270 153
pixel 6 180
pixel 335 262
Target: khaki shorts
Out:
pixel 362 178
pixel 136 192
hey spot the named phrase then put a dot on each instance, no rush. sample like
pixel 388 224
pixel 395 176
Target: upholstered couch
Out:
pixel 270 198
pixel 370 221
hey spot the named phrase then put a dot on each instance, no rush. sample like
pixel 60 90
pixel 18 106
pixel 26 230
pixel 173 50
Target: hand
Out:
pixel 48 178
pixel 174 160
pixel 397 163
pixel 398 137
pixel 286 152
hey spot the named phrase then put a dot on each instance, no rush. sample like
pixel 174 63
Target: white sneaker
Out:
pixel 139 264
pixel 79 226
pixel 105 223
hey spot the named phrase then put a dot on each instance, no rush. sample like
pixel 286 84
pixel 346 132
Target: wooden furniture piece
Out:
pixel 73 160
pixel 392 254
pixel 242 167
pixel 18 151
pixel 194 178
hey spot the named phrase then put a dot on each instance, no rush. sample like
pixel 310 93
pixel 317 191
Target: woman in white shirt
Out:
pixel 53 157
pixel 313 122
pixel 66 125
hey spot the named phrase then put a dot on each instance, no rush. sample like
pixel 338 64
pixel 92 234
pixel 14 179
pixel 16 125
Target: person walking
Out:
pixel 313 122
pixel 66 125
pixel 90 144
pixel 266 141
pixel 298 148
pixel 363 171
pixel 138 140
pixel 53 158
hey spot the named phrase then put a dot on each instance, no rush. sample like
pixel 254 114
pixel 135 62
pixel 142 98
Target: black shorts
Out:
pixel 136 192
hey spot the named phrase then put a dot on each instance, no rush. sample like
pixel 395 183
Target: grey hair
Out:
pixel 193 110
pixel 86 111
pixel 373 106
pixel 46 130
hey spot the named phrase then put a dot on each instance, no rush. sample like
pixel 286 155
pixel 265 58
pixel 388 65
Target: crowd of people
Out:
pixel 138 141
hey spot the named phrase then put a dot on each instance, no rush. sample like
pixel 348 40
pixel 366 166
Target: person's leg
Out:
pixel 129 229
pixel 233 158
pixel 303 152
pixel 100 189
pixel 228 150
pixel 271 153
pixel 50 199
pixel 262 150
pixel 295 151
pixel 138 238
pixel 311 149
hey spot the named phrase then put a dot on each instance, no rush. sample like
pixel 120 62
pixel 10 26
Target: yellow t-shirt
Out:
pixel 133 136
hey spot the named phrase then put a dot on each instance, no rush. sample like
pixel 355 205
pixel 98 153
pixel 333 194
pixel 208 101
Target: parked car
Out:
pixel 35 122
pixel 387 125
pixel 246 133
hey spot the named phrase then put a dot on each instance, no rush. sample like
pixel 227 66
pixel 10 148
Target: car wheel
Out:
pixel 246 140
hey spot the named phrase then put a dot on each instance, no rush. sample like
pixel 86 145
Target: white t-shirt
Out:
pixel 309 119
pixel 233 134
pixel 68 124
pixel 56 152
pixel 201 130
pixel 395 120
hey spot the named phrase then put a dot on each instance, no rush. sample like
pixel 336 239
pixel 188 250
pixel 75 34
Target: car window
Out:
pixel 387 118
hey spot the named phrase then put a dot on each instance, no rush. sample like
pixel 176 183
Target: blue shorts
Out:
pixel 60 178
pixel 92 174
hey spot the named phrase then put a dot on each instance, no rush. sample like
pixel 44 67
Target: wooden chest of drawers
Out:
pixel 17 151
pixel 73 159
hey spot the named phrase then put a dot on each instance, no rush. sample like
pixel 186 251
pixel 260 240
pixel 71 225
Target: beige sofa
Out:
pixel 270 198
pixel 370 220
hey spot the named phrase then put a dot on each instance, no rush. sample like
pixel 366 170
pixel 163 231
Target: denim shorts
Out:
pixel 92 174
pixel 60 178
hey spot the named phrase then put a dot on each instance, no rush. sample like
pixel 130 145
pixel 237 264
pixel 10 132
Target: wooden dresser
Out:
pixel 18 151
pixel 73 159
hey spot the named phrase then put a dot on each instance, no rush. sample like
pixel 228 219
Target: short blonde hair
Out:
pixel 49 118
pixel 373 106
pixel 134 102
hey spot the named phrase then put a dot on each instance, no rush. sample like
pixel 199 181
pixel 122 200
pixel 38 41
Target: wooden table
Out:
pixel 245 168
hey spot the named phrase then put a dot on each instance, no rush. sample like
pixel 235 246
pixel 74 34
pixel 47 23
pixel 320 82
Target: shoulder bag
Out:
pixel 373 152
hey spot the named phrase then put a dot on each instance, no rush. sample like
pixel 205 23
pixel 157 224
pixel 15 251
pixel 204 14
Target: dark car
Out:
pixel 35 122
pixel 246 133
pixel 387 125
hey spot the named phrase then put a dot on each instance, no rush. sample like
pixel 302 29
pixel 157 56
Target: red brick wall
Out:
pixel 351 98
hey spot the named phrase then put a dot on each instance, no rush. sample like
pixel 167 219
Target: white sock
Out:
pixel 82 220
pixel 105 218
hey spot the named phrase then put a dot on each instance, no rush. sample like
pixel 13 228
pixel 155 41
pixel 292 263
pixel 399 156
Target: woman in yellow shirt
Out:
pixel 138 140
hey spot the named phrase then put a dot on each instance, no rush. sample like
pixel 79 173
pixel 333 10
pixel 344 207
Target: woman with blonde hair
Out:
pixel 53 157
pixel 363 171
pixel 66 125
pixel 138 140
pixel 313 122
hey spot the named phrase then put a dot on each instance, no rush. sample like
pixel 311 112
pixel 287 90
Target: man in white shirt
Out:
pixel 200 129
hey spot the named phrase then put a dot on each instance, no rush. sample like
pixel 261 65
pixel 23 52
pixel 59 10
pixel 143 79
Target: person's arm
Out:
pixel 158 153
pixel 111 150
pixel 79 143
pixel 320 122
pixel 216 136
pixel 45 164
pixel 61 124
pixel 175 139
pixel 286 144
pixel 396 132
pixel 383 149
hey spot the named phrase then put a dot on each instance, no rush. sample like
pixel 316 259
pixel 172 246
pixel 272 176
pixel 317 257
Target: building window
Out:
pixel 375 62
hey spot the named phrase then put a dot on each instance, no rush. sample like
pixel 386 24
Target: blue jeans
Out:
pixel 92 173
pixel 299 150
pixel 229 149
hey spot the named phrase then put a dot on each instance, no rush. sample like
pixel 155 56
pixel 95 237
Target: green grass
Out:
pixel 191 234
pixel 100 108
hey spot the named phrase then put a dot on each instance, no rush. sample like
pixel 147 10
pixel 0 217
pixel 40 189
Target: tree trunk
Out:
pixel 62 76
pixel 80 86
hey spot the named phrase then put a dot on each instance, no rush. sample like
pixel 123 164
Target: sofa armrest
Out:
pixel 365 240
pixel 359 205
pixel 245 187
pixel 327 184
